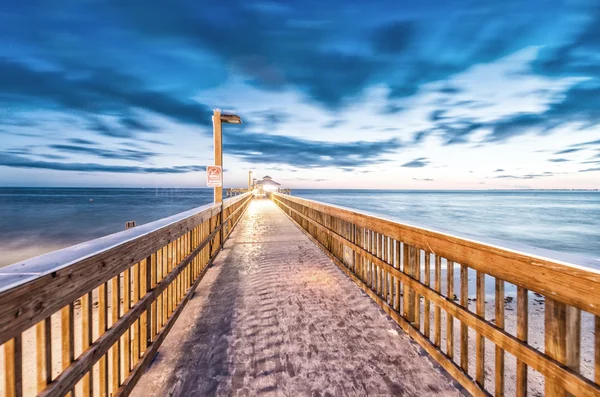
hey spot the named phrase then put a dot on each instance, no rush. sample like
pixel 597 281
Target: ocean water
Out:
pixel 34 221
pixel 548 223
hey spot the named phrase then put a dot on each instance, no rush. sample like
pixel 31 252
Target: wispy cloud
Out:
pixel 567 151
pixel 526 176
pixel 417 163
pixel 303 153
pixel 15 161
pixel 119 154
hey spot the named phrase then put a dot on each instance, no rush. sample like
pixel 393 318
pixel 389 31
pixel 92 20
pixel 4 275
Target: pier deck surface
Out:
pixel 274 316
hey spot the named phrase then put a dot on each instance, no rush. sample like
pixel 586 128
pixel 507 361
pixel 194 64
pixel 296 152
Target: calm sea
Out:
pixel 38 220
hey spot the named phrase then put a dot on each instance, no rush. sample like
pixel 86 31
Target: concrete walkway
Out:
pixel 275 317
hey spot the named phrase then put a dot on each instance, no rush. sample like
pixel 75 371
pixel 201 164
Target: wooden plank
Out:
pixel 573 338
pixel 449 317
pixel 13 367
pixel 409 295
pixel 398 285
pixel 127 335
pixel 464 329
pixel 555 329
pixel 67 318
pixel 571 284
pixel 437 313
pixel 144 265
pixel 135 295
pixel 522 335
pixel 102 327
pixel 86 337
pixel 415 260
pixel 116 348
pixel 40 351
pixel 499 356
pixel 427 309
pixel 150 316
pixel 479 340
pixel 597 349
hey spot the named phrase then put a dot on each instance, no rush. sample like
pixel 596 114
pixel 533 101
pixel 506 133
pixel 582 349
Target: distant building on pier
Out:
pixel 267 183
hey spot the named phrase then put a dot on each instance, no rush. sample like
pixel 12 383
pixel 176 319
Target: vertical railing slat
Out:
pixel 116 359
pixel 555 328
pixel 464 329
pixel 479 339
pixel 102 317
pixel 437 313
pixel 499 313
pixel 522 334
pixel 450 318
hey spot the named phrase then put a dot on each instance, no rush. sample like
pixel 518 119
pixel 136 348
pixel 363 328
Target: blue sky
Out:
pixel 461 94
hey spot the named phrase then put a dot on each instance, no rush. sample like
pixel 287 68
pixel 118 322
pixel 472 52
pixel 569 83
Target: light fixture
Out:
pixel 230 118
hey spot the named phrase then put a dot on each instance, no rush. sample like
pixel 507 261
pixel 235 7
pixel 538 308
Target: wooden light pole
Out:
pixel 218 142
pixel 218 120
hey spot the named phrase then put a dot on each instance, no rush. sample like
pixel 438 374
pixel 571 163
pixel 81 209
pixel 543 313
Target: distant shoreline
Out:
pixel 303 188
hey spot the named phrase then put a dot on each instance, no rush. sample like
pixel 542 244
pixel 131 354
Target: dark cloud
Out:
pixel 423 179
pixel 393 38
pixel 15 161
pixel 93 93
pixel 334 123
pixel 417 163
pixel 391 108
pixel 80 141
pixel 119 154
pixel 136 124
pixel 420 136
pixel 302 153
pixel 558 160
pixel 567 151
pixel 449 90
pixel 499 170
pixel 271 118
pixel 588 143
pixel 591 170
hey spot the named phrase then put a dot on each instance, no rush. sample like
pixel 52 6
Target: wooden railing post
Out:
pixel 555 342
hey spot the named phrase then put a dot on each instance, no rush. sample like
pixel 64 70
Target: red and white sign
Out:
pixel 214 176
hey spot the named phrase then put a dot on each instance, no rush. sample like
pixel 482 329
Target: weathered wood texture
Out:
pixel 567 290
pixel 113 308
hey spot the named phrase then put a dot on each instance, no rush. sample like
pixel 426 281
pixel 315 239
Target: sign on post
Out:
pixel 214 176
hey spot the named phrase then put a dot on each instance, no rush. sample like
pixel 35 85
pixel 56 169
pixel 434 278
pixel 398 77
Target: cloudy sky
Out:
pixel 430 94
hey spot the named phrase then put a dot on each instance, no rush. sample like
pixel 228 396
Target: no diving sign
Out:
pixel 214 176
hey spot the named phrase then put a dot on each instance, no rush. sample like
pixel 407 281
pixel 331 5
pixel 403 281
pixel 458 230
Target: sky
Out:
pixel 434 94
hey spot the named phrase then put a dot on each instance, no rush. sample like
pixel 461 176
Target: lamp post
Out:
pixel 218 120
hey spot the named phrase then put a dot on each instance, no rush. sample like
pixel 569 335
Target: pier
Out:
pixel 288 296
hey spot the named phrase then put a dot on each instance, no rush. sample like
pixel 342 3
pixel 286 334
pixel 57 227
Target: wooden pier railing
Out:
pixel 87 320
pixel 420 278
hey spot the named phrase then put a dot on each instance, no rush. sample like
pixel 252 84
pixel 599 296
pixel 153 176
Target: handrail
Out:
pixel 401 267
pixel 124 292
